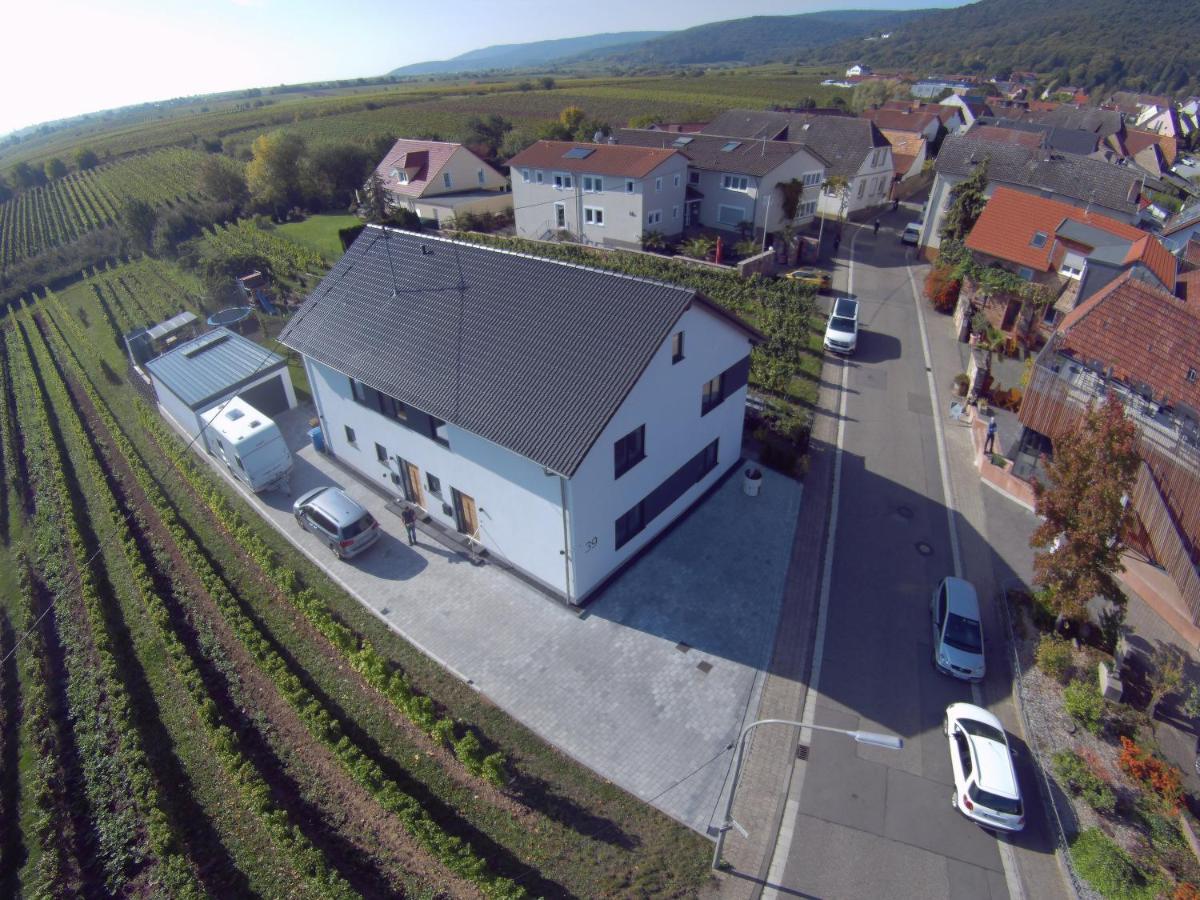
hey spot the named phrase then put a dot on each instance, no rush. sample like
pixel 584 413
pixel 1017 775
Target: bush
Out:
pixel 941 287
pixel 1104 865
pixel 1074 771
pixel 1084 704
pixel 1054 657
pixel 697 248
pixel 1160 778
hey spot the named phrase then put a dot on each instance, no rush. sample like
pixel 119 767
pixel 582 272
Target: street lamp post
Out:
pixel 875 739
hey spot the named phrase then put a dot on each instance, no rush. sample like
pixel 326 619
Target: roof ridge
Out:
pixel 561 262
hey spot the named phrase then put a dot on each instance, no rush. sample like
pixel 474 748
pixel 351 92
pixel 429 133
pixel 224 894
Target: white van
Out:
pixel 249 443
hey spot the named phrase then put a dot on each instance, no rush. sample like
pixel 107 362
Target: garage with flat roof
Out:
pixel 206 371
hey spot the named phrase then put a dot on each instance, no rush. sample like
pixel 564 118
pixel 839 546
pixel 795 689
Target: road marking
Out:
pixel 783 840
pixel 1007 858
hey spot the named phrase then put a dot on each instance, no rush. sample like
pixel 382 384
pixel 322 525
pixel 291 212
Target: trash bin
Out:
pixel 752 482
pixel 317 438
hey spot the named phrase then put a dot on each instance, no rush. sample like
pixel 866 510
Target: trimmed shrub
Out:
pixel 1054 657
pixel 1161 778
pixel 1084 704
pixel 1074 771
pixel 1104 865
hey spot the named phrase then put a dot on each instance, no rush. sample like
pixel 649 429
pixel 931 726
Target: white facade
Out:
pixel 526 513
pixel 731 198
pixel 870 186
pixel 192 420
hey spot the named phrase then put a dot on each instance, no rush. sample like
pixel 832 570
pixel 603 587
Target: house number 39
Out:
pixel 591 545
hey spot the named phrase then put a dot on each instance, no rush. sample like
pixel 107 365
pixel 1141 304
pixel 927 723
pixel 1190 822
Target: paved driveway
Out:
pixel 648 687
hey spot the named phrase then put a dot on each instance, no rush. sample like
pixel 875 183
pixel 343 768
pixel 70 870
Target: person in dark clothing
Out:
pixel 410 524
pixel 876 226
pixel 837 239
pixel 990 442
pixel 895 204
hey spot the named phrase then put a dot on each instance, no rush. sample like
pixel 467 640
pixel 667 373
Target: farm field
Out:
pixel 204 712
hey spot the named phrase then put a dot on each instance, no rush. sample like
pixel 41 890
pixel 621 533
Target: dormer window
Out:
pixel 1039 239
pixel 1191 376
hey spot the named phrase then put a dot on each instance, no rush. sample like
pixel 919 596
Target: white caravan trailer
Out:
pixel 249 443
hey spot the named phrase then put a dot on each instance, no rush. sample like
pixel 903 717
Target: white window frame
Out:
pixel 740 210
pixel 1069 271
pixel 740 183
pixel 808 208
pixel 811 179
pixel 560 215
pixel 862 187
pixel 658 184
pixel 563 181
pixel 675 179
pixel 593 215
pixel 539 177
pixel 593 184
pixel 447 180
pixel 629 186
pixel 525 176
pixel 654 217
pixel 674 213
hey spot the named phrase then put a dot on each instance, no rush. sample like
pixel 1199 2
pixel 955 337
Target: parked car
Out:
pixel 818 278
pixel 841 334
pixel 341 522
pixel 985 781
pixel 957 634
pixel 911 234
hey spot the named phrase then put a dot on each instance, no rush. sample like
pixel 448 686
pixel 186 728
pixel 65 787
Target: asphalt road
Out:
pixel 868 822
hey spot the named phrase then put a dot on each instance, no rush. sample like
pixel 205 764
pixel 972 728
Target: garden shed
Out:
pixel 206 371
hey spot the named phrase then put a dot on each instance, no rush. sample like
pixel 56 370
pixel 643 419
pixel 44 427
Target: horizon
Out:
pixel 186 50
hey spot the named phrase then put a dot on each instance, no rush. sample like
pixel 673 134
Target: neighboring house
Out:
pixel 854 149
pixel 1180 228
pixel 557 417
pixel 929 88
pixel 1034 138
pixel 857 70
pixel 1141 344
pixel 1133 141
pixel 603 194
pixel 731 180
pixel 1166 120
pixel 437 180
pixel 1078 180
pixel 1072 252
pixel 1053 137
pixel 909 153
pixel 920 123
pixel 203 373
pixel 1132 104
pixel 970 108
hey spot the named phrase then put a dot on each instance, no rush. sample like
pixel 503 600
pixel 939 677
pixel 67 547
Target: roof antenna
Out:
pixel 387 246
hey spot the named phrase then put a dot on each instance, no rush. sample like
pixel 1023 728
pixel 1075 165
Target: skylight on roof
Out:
pixel 579 153
pixel 732 145
pixel 1039 240
pixel 206 344
pixel 681 141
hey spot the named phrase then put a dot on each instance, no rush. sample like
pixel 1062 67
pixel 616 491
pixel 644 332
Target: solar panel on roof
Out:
pixel 681 142
pixel 578 153
pixel 732 145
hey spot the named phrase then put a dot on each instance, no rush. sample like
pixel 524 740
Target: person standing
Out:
pixel 990 442
pixel 876 227
pixel 410 525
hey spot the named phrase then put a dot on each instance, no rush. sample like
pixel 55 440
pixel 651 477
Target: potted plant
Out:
pixel 752 482
pixel 961 383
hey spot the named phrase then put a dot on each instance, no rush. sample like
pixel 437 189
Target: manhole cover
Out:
pixel 802 751
pixel 682 647
pixel 904 512
pixel 704 667
pixel 924 549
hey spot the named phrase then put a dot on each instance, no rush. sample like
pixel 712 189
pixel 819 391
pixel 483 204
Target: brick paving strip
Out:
pixel 762 789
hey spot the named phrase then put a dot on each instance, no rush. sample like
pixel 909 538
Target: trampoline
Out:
pixel 232 317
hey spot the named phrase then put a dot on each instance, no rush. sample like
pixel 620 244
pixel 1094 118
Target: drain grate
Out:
pixel 924 548
pixel 704 667
pixel 802 751
pixel 682 647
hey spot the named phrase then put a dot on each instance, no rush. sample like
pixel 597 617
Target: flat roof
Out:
pixel 212 365
pixel 173 324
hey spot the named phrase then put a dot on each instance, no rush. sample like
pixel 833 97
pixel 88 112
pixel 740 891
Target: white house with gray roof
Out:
pixel 556 416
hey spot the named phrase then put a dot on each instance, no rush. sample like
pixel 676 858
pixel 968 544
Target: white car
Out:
pixel 957 634
pixel 841 334
pixel 985 782
pixel 911 234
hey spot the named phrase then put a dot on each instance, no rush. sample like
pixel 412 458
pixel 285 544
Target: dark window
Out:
pixel 677 347
pixel 629 525
pixel 710 396
pixel 380 403
pixel 438 431
pixel 1191 376
pixel 629 451
pixel 351 439
pixel 964 752
pixel 433 483
pixel 708 460
pixel 693 177
pixel 321 522
pixel 381 453
pixel 1039 239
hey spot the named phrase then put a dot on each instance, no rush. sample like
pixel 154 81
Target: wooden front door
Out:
pixel 412 483
pixel 465 517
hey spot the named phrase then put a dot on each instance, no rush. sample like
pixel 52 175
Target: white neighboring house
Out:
pixel 437 180
pixel 853 149
pixel 858 69
pixel 559 417
pixel 731 181
pixel 602 194
pixel 201 374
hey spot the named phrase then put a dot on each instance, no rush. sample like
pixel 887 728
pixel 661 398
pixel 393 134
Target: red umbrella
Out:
pixel 718 251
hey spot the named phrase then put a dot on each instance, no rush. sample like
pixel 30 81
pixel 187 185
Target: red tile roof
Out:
pixel 1191 252
pixel 421 160
pixel 1187 288
pixel 1138 139
pixel 906 147
pixel 1011 218
pixel 1150 252
pixel 605 159
pixel 1148 336
pixel 899 120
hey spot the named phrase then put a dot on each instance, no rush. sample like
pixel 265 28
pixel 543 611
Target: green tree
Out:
pixel 335 171
pixel 86 158
pixel 137 218
pixel 571 118
pixel 273 173
pixel 55 168
pixel 967 201
pixel 868 94
pixel 1084 510
pixel 222 179
pixel 5 191
pixel 377 199
pixel 547 83
pixel 485 135
pixel 645 121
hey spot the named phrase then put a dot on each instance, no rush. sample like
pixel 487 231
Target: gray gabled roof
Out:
pixel 705 151
pixel 842 141
pixel 531 354
pixel 1065 174
pixel 212 365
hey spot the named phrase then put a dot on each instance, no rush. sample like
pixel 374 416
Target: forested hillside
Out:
pixel 1149 45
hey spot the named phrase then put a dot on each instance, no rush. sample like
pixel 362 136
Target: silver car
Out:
pixel 957 634
pixel 343 524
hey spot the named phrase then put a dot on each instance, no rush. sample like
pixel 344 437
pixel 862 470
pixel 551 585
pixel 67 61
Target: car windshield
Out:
pixel 963 634
pixel 982 729
pixel 1010 806
pixel 840 323
pixel 846 307
pixel 356 528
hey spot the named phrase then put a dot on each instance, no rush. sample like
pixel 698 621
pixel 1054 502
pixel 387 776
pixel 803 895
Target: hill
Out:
pixel 518 56
pixel 757 39
pixel 1147 45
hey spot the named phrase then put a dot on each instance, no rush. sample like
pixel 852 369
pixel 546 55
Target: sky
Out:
pixel 66 57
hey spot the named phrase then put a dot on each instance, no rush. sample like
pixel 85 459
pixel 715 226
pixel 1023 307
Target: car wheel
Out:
pixel 954 799
pixel 337 551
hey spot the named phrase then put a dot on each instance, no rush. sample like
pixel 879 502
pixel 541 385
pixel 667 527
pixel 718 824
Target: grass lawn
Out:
pixel 319 233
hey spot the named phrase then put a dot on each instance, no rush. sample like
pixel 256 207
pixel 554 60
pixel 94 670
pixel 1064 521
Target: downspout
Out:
pixel 562 486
